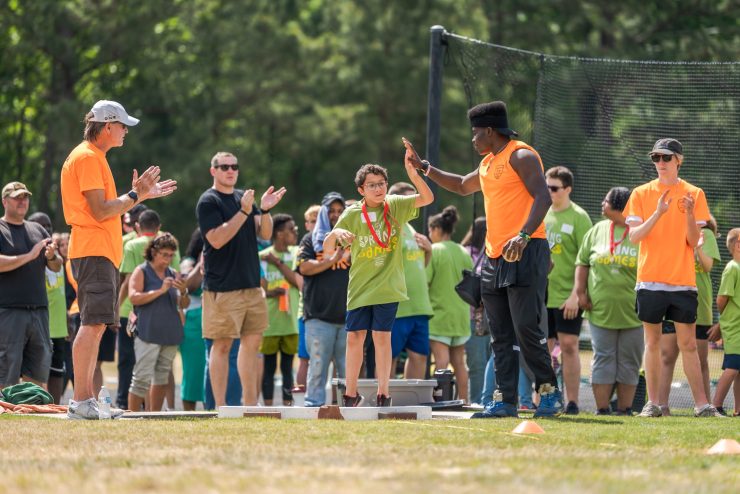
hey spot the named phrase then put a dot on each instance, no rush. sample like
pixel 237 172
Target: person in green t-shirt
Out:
pixel 705 256
pixel 728 303
pixel 449 328
pixel 372 227
pixel 606 272
pixel 411 328
pixel 282 285
pixel 566 224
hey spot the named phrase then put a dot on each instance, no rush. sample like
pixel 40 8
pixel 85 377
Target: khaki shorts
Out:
pixel 234 314
pixel 97 291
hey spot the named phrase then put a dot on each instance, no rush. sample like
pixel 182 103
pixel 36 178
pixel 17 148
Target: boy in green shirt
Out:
pixel 728 303
pixel 566 224
pixel 373 228
pixel 281 285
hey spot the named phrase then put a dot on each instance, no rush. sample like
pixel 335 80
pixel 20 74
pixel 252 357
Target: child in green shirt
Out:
pixel 728 303
pixel 373 227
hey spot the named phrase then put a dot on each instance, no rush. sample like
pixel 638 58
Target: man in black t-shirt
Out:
pixel 25 250
pixel 324 300
pixel 233 302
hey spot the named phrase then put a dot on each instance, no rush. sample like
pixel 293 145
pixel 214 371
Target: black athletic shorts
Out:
pixel 556 323
pixel 58 356
pixel 701 330
pixel 653 306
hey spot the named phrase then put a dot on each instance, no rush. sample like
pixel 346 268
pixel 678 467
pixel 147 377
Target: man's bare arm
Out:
pixel 527 166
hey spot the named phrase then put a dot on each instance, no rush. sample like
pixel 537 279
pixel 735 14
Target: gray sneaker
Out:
pixel 83 410
pixel 708 411
pixel 651 410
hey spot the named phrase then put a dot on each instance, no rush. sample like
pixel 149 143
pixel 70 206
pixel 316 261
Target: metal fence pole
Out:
pixel 434 103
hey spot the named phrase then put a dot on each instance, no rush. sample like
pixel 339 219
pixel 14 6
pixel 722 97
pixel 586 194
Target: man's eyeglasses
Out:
pixel 554 188
pixel 665 157
pixel 375 186
pixel 223 168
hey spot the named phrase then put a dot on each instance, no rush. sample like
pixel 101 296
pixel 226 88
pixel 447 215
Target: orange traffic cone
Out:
pixel 528 427
pixel 725 447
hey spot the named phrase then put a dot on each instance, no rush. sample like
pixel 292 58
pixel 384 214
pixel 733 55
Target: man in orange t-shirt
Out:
pixel 514 275
pixel 93 210
pixel 665 217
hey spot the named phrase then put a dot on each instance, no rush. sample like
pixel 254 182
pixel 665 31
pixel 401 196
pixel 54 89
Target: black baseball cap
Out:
pixel 667 146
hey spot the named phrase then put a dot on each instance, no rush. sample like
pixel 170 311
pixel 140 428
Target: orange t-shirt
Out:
pixel 507 200
pixel 665 255
pixel 87 169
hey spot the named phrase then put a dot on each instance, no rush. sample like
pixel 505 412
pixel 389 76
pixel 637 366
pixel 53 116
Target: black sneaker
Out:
pixel 603 411
pixel 572 408
pixel 384 401
pixel 352 401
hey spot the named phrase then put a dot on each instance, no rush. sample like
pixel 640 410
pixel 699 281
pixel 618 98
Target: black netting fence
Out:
pixel 600 118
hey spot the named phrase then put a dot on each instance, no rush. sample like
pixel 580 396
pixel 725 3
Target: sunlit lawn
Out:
pixel 585 454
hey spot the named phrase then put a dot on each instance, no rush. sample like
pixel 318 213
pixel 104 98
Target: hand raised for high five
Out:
pixel 271 197
pixel 148 185
pixel 411 159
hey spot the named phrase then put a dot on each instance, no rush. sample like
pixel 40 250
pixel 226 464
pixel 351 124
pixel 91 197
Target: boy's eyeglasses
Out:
pixel 375 186
pixel 665 157
pixel 223 168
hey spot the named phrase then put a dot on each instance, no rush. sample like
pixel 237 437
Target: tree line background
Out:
pixel 303 92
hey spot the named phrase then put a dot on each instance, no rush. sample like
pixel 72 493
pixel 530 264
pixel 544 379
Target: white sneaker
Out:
pixel 707 411
pixel 651 410
pixel 83 410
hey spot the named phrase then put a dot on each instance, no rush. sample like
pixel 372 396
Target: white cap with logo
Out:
pixel 111 111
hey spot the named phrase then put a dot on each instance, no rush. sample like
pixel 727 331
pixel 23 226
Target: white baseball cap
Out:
pixel 111 111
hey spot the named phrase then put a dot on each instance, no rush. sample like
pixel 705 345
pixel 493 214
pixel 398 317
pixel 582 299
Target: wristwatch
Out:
pixel 133 195
pixel 264 211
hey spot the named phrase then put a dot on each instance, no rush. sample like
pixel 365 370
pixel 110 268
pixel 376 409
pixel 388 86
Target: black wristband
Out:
pixel 243 212
pixel 133 195
pixel 264 211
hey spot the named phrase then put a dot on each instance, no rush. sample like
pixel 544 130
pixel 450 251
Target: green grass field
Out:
pixel 583 454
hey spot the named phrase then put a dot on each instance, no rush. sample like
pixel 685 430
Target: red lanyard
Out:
pixel 612 244
pixel 370 225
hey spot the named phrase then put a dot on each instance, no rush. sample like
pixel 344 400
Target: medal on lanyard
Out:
pixel 370 225
pixel 612 244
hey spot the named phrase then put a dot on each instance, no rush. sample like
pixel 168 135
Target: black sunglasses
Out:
pixel 223 168
pixel 554 188
pixel 657 157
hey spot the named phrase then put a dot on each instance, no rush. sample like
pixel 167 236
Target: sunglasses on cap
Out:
pixel 657 157
pixel 223 168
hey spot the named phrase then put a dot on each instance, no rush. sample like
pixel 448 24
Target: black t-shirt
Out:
pixel 234 266
pixel 324 294
pixel 24 286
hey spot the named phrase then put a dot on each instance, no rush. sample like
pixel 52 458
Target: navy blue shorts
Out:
pixel 378 317
pixel 302 350
pixel 731 361
pixel 702 332
pixel 410 333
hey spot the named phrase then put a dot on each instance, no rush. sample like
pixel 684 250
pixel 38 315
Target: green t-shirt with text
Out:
pixel 729 320
pixel 565 231
pixel 282 322
pixel 704 313
pixel 57 303
pixel 451 313
pixel 611 277
pixel 417 288
pixel 133 255
pixel 376 275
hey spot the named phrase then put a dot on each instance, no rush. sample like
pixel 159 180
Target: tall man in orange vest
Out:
pixel 514 275
pixel 93 209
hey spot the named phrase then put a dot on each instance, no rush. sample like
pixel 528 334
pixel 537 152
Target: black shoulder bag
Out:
pixel 469 287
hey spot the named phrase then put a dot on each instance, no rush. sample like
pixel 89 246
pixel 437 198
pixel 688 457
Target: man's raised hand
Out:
pixel 148 185
pixel 247 201
pixel 271 197
pixel 663 205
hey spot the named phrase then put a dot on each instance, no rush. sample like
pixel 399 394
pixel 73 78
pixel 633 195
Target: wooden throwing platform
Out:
pixel 334 412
